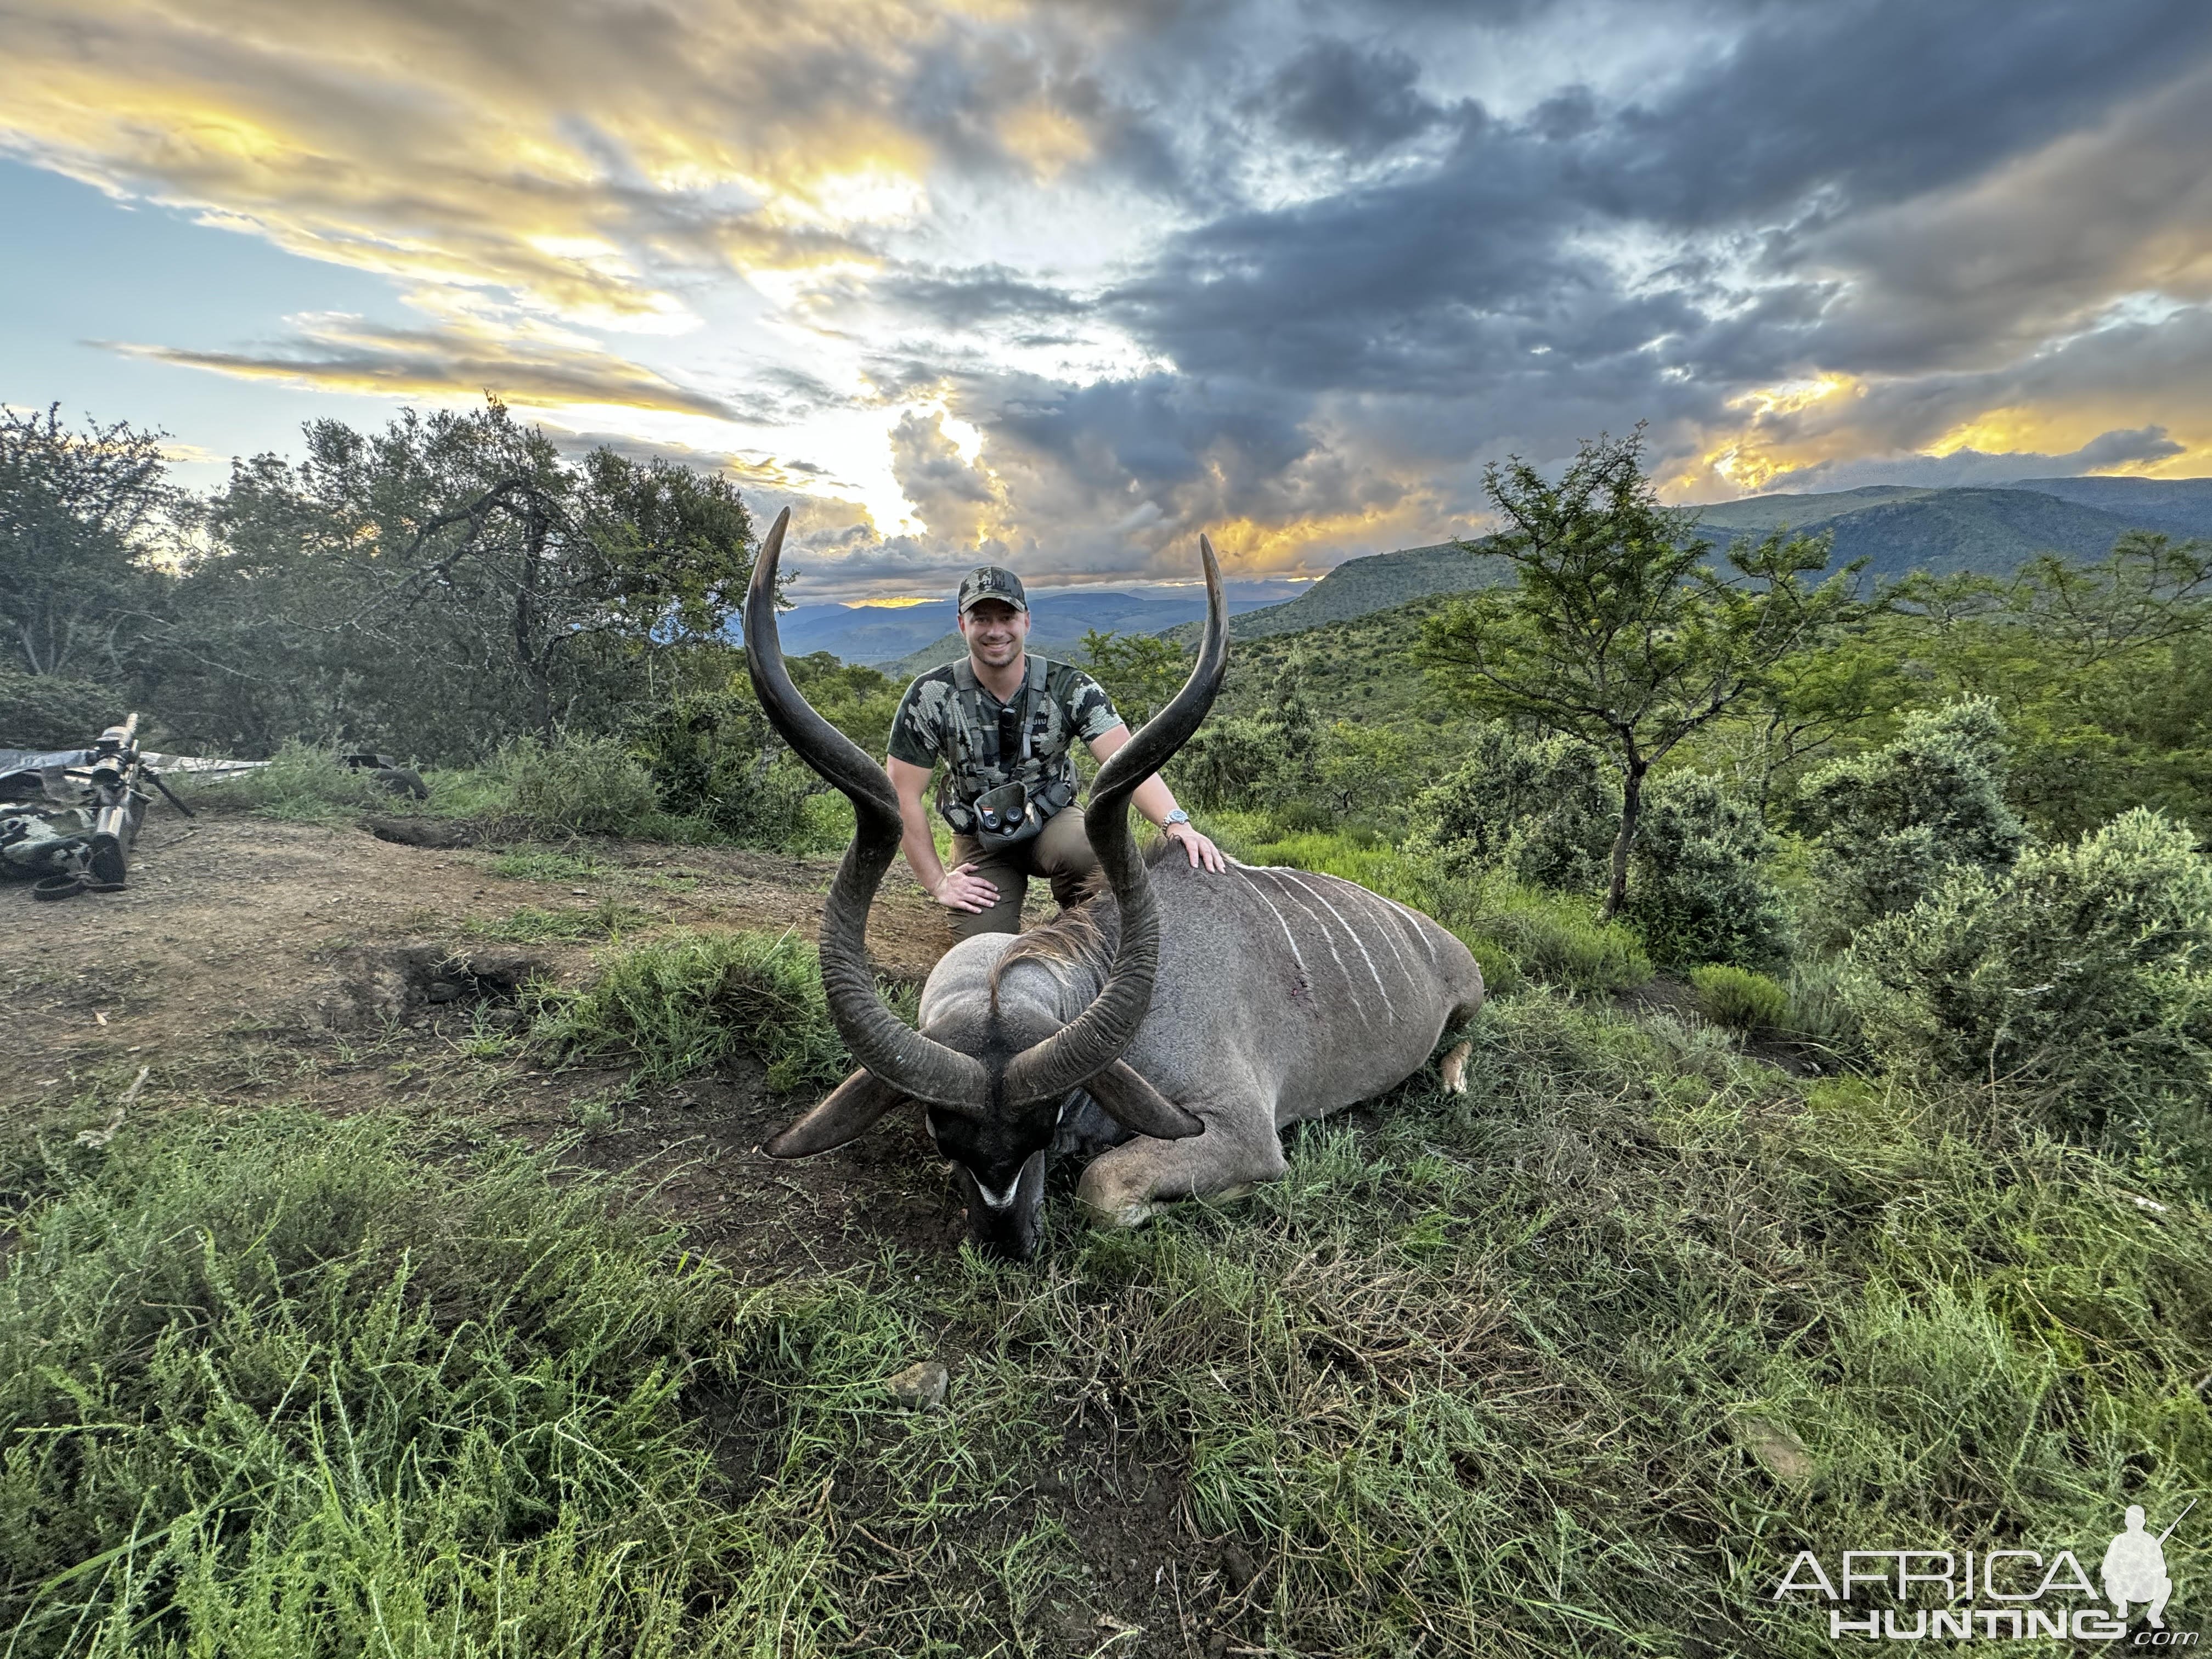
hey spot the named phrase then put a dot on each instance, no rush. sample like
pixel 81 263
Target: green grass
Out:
pixel 684 1003
pixel 300 784
pixel 1573 1363
pixel 607 919
pixel 282 1386
pixel 1738 999
pixel 531 864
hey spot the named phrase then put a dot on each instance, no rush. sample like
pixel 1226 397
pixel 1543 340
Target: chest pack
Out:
pixel 1009 771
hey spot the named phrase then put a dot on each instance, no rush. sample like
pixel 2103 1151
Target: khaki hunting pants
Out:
pixel 1060 852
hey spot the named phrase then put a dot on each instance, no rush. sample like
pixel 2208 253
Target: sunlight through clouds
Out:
pixel 1067 285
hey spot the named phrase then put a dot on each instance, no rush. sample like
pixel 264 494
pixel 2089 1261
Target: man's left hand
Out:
pixel 1201 849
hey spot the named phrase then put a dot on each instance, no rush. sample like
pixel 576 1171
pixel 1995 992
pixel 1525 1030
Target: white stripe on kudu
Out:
pixel 1352 889
pixel 1288 938
pixel 1382 990
pixel 1412 919
pixel 1351 984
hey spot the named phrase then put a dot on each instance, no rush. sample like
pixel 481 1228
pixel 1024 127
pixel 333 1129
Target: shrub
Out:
pixel 2080 980
pixel 1265 761
pixel 1701 887
pixel 1738 999
pixel 45 711
pixel 1541 811
pixel 1893 824
pixel 712 756
pixel 688 1001
pixel 578 786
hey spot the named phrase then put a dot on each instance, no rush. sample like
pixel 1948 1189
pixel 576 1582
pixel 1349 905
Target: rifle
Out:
pixel 117 780
pixel 2177 1520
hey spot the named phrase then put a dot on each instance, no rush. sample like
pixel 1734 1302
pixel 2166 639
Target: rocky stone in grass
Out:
pixel 1779 1452
pixel 920 1386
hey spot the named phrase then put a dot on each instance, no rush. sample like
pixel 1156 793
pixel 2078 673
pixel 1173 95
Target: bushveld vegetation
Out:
pixel 1834 1171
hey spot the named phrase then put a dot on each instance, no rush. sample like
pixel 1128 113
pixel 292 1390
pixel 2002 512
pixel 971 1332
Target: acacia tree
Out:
pixel 453 578
pixel 1615 630
pixel 76 512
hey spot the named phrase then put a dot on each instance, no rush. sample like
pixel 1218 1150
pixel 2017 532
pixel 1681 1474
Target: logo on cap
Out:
pixel 991 581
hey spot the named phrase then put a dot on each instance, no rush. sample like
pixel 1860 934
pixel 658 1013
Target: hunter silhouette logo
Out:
pixel 1999 1594
pixel 2135 1567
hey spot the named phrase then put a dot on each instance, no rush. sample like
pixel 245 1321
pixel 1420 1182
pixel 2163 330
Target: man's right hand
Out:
pixel 960 891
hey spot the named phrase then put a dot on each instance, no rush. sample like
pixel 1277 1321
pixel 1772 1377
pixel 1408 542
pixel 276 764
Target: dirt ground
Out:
pixel 252 961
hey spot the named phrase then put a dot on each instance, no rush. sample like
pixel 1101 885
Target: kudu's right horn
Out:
pixel 1079 1051
pixel 881 1042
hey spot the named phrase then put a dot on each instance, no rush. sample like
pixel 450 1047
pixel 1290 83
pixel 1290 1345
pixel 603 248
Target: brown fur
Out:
pixel 1082 936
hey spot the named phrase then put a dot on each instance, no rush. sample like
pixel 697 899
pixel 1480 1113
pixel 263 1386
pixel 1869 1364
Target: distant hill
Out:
pixel 2179 507
pixel 884 636
pixel 1898 530
pixel 1359 588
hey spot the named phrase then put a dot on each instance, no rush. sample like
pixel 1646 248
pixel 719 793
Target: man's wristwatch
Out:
pixel 1173 818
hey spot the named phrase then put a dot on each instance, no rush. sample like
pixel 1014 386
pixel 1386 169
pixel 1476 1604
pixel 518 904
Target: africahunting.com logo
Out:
pixel 2003 1595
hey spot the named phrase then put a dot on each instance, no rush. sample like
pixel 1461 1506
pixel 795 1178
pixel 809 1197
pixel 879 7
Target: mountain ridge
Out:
pixel 1897 528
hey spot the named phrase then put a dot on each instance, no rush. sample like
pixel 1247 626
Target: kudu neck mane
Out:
pixel 1077 945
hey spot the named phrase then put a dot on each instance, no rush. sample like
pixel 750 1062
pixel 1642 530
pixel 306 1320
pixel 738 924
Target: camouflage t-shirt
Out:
pixel 921 732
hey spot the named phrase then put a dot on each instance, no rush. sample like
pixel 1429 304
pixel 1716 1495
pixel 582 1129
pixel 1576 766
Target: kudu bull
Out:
pixel 1199 1012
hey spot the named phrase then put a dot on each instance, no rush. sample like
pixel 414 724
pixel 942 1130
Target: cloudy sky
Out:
pixel 1062 283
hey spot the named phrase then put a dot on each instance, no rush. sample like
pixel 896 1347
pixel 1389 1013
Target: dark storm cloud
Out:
pixel 1497 249
pixel 1338 96
pixel 1881 100
pixel 964 299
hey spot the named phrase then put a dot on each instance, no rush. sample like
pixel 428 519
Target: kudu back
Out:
pixel 1172 1025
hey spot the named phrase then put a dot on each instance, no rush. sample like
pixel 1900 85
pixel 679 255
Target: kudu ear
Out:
pixel 848 1110
pixel 1135 1105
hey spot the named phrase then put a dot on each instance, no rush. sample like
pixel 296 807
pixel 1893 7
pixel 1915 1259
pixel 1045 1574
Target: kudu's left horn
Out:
pixel 896 1053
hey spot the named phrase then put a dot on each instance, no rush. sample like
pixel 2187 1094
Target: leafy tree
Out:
pixel 78 510
pixel 2102 673
pixel 1141 671
pixel 1269 758
pixel 1367 769
pixel 453 579
pixel 1614 632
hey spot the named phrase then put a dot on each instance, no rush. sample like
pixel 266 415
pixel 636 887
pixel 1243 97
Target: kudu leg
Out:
pixel 1125 1185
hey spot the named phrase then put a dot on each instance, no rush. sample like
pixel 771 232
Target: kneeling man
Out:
pixel 1003 721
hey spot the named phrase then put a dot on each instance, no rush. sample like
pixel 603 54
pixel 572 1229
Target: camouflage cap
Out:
pixel 991 581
